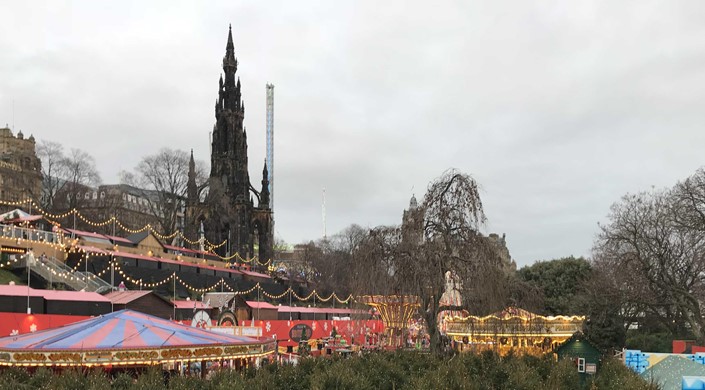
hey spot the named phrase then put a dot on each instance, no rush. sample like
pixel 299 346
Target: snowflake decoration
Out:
pixel 349 327
pixel 33 328
pixel 14 332
pixel 313 325
pixel 325 326
pixel 268 326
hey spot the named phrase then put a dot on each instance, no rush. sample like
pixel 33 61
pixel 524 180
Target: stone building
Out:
pixel 412 222
pixel 500 243
pixel 229 213
pixel 20 168
pixel 133 207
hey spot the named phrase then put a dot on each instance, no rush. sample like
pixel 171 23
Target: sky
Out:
pixel 556 108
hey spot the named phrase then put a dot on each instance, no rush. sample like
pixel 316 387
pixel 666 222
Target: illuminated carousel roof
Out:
pixel 514 322
pixel 125 337
pixel 518 313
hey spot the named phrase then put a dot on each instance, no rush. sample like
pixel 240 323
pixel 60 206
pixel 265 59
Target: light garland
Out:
pixel 302 298
pixel 94 224
pixel 199 290
pixel 140 282
pixel 148 227
pixel 8 263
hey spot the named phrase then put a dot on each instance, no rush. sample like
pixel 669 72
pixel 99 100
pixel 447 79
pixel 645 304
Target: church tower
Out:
pixel 229 213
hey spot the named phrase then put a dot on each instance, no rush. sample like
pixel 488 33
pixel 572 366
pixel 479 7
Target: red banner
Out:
pixel 347 329
pixel 19 323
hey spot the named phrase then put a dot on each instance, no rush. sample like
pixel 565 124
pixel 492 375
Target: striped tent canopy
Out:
pixel 126 337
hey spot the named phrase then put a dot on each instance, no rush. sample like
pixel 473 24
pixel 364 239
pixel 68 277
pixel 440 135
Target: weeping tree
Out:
pixel 441 236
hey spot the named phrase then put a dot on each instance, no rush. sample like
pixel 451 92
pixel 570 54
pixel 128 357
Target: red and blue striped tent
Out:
pixel 126 337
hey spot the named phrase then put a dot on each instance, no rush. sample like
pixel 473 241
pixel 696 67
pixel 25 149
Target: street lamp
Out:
pixel 29 259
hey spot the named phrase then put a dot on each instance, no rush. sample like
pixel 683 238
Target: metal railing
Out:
pixel 56 271
pixel 12 231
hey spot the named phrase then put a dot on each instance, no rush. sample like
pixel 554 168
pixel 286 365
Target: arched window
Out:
pixel 78 195
pixel 102 194
pixel 95 195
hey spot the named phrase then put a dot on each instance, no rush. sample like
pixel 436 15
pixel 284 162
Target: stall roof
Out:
pixel 116 239
pixel 125 297
pixel 96 237
pixel 18 216
pixel 78 296
pixel 257 274
pixel 260 305
pixel 12 290
pixel 92 249
pixel 29 218
pixel 51 295
pixel 188 304
pixel 321 310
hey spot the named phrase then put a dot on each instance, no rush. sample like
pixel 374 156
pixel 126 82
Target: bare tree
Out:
pixel 336 258
pixel 78 172
pixel 52 156
pixel 689 201
pixel 654 243
pixel 375 263
pixel 163 178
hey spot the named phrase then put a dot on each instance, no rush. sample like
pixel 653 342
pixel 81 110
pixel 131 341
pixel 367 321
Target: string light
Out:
pixel 140 282
pixel 148 227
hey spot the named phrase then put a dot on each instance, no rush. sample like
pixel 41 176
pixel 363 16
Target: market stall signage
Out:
pixel 300 332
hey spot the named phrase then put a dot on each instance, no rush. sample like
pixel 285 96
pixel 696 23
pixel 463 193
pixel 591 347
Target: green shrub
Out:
pixel 397 370
pixel 14 378
pixel 564 375
pixel 41 378
pixel 613 374
pixel 150 379
pixel 122 381
pixel 70 379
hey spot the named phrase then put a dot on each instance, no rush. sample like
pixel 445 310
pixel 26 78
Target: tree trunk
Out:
pixel 431 317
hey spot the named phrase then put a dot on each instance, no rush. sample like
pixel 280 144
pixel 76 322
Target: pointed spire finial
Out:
pixel 229 62
pixel 230 38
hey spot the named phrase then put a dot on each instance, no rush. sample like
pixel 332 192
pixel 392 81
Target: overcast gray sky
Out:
pixel 557 108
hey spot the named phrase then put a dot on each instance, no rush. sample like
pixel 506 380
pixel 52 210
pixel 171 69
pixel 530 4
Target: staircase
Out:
pixel 56 271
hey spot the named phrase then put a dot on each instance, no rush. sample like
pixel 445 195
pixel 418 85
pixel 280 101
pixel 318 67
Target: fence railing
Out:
pixel 12 231
pixel 55 271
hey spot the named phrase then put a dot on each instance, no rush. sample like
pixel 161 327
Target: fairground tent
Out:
pixel 126 338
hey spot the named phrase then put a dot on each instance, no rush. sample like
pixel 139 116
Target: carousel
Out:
pixel 512 329
pixel 130 339
pixel 396 312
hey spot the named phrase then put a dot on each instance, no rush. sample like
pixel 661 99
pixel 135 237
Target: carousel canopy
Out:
pixel 125 337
